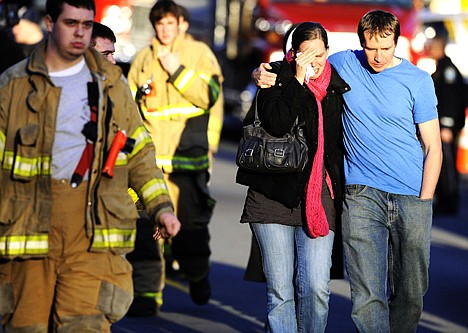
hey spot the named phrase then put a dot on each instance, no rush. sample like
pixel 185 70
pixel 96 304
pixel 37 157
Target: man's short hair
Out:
pixel 161 9
pixel 102 31
pixel 380 23
pixel 55 7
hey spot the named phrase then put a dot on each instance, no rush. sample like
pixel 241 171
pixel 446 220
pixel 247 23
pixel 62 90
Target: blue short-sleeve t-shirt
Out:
pixel 380 120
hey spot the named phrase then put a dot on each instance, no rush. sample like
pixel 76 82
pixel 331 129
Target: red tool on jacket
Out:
pixel 121 143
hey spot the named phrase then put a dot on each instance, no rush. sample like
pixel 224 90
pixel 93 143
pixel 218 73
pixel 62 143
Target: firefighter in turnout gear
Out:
pixel 176 82
pixel 66 218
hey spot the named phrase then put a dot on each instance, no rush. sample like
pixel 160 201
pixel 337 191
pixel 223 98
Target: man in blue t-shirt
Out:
pixel 392 164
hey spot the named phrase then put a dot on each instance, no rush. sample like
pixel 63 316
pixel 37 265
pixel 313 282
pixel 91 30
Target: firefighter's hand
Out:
pixel 262 77
pixel 170 61
pixel 168 226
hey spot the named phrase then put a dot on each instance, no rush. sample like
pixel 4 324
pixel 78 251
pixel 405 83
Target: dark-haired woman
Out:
pixel 295 217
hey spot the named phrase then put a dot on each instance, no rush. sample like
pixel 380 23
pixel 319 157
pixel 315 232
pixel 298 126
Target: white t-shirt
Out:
pixel 73 113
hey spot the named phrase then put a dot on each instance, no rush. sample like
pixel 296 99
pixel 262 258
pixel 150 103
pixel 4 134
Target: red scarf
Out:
pixel 317 224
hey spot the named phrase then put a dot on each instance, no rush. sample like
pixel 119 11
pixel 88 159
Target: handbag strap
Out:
pixel 257 122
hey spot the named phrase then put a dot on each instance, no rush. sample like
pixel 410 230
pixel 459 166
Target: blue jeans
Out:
pixel 386 241
pixel 297 271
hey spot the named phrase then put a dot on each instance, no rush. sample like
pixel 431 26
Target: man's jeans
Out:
pixel 386 236
pixel 295 265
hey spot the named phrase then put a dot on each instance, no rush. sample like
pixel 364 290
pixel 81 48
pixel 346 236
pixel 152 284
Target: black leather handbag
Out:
pixel 260 152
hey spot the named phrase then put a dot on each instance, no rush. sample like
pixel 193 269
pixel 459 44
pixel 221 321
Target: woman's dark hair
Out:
pixel 162 8
pixel 303 32
pixel 55 7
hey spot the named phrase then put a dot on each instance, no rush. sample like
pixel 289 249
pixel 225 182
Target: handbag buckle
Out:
pixel 279 153
pixel 249 152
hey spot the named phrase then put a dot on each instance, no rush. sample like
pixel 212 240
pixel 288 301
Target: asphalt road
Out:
pixel 239 306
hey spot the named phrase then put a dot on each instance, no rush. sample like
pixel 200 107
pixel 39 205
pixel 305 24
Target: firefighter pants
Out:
pixel 194 207
pixel 148 264
pixel 72 290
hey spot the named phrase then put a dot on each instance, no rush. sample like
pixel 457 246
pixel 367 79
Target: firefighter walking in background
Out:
pixel 71 143
pixel 176 82
pixel 214 135
pixel 450 90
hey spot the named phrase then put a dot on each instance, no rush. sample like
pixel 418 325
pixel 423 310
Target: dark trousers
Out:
pixel 194 208
pixel 447 191
pixel 147 262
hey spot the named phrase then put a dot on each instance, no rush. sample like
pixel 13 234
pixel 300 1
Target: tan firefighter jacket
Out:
pixel 28 109
pixel 177 109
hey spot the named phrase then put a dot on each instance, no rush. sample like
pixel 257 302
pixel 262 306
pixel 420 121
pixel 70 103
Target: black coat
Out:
pixel 451 95
pixel 278 108
pixel 277 115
